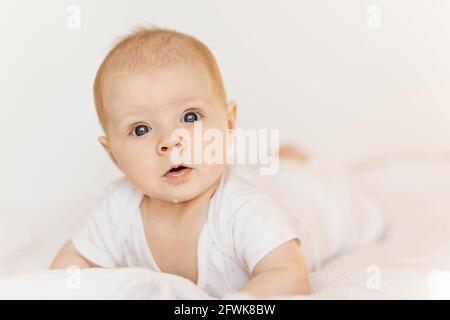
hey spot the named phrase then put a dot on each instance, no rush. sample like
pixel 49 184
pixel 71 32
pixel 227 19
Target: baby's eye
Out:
pixel 191 116
pixel 140 130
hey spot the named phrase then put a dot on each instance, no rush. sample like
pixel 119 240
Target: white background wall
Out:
pixel 313 68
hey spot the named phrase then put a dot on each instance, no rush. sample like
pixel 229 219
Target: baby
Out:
pixel 199 221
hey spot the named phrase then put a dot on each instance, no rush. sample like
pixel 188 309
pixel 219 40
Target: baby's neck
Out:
pixel 180 212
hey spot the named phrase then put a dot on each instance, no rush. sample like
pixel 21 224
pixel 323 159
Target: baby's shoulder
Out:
pixel 117 204
pixel 243 212
pixel 240 197
pixel 121 191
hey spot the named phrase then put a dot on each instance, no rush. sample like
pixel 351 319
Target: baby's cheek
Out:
pixel 212 172
pixel 139 166
pixel 145 181
pixel 215 148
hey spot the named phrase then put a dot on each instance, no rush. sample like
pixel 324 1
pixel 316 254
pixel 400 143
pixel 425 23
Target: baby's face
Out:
pixel 142 113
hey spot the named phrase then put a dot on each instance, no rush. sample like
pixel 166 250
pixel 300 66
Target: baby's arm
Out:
pixel 69 256
pixel 281 272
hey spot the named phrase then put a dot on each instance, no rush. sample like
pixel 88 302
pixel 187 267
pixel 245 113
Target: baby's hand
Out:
pixel 281 272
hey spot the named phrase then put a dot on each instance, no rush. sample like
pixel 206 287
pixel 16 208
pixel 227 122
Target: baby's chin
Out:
pixel 178 194
pixel 186 192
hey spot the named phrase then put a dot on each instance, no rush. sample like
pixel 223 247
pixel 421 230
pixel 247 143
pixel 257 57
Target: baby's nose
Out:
pixel 168 145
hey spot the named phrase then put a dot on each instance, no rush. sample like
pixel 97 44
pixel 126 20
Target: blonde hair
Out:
pixel 146 48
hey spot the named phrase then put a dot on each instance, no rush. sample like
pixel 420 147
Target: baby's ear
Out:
pixel 231 114
pixel 105 144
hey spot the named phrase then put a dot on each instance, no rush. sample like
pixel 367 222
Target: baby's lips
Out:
pixel 176 166
pixel 179 175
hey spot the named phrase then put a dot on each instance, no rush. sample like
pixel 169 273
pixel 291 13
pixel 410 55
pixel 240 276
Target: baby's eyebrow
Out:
pixel 190 98
pixel 128 117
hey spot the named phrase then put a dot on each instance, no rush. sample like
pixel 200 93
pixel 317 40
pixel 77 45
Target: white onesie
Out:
pixel 319 203
pixel 243 225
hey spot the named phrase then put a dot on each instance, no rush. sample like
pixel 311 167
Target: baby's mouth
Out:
pixel 177 168
pixel 177 172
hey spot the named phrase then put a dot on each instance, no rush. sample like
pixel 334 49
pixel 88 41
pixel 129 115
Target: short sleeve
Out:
pixel 97 240
pixel 259 227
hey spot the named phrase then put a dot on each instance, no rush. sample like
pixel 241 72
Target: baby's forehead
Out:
pixel 159 89
pixel 158 85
